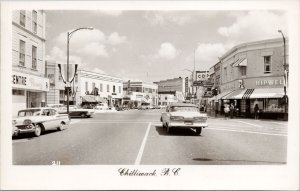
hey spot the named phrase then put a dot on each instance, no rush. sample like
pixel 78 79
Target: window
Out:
pixel 33 57
pixel 86 86
pixel 59 78
pixel 101 87
pixel 22 53
pixel 93 85
pixel 107 87
pixel 119 89
pixel 76 78
pixel 243 70
pixel 114 88
pixel 61 94
pixel 34 21
pixel 225 73
pixel 18 92
pixel 267 64
pixel 22 18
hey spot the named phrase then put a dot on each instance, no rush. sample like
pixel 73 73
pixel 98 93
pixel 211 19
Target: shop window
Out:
pixel 267 64
pixel 34 21
pixel 22 53
pixel 22 18
pixel 273 105
pixel 101 87
pixel 34 62
pixel 18 92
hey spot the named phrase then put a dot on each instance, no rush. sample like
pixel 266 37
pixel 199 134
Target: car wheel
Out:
pixel 198 131
pixel 83 115
pixel 61 126
pixel 37 130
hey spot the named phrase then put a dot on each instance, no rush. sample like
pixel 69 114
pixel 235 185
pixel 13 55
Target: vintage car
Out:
pixel 38 120
pixel 183 115
pixel 74 111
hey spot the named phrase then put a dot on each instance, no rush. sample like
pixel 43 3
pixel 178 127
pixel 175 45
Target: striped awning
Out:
pixel 221 95
pixel 240 62
pixel 247 94
pixel 88 98
pixel 267 93
pixel 238 94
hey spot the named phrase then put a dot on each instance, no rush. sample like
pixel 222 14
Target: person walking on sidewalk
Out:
pixel 256 111
pixel 231 110
pixel 226 111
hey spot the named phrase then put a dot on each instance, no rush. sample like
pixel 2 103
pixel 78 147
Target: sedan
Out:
pixel 183 115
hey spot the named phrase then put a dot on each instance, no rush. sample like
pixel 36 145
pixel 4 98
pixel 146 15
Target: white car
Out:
pixel 38 120
pixel 101 106
pixel 183 115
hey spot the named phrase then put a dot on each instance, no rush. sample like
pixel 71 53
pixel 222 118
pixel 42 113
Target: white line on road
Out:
pixel 253 132
pixel 250 124
pixel 141 151
pixel 279 123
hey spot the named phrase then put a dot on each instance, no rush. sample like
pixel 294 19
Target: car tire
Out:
pixel 37 130
pixel 61 126
pixel 83 115
pixel 198 131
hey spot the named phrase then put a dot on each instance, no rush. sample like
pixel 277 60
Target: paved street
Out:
pixel 137 137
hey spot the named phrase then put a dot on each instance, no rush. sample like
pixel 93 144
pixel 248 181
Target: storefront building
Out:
pixel 138 93
pixel 172 90
pixel 95 88
pixel 29 84
pixel 253 74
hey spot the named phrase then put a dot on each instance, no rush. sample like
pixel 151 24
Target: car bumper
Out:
pixel 182 124
pixel 25 129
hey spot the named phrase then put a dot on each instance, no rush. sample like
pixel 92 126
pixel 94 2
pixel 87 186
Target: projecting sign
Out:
pixel 202 75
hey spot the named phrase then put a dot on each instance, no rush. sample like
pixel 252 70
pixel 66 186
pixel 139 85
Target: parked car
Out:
pixel 38 120
pixel 75 111
pixel 183 115
pixel 101 106
pixel 15 131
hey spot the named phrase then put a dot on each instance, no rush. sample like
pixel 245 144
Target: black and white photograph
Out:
pixel 115 95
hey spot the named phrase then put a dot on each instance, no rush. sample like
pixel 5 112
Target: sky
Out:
pixel 154 45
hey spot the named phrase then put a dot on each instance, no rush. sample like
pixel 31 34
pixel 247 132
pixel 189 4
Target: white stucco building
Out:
pixel 29 84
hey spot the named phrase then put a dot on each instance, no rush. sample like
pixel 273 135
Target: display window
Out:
pixel 274 105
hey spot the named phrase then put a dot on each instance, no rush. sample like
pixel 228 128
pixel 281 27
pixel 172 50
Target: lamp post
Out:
pixel 69 35
pixel 285 72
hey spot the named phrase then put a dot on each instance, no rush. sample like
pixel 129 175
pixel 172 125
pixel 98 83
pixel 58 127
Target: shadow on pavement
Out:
pixel 238 161
pixel 30 136
pixel 175 132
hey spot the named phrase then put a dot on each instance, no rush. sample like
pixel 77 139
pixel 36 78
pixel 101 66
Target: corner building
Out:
pixel 29 84
pixel 253 73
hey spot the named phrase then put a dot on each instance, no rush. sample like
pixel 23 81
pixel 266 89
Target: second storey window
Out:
pixel 86 86
pixel 243 70
pixel 34 21
pixel 22 53
pixel 22 18
pixel 267 64
pixel 107 87
pixel 101 87
pixel 114 88
pixel 119 89
pixel 34 57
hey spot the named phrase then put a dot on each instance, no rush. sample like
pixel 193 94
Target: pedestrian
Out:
pixel 256 111
pixel 231 110
pixel 226 111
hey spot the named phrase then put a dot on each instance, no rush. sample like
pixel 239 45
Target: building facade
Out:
pixel 136 93
pixel 29 84
pixel 94 87
pixel 253 74
pixel 172 90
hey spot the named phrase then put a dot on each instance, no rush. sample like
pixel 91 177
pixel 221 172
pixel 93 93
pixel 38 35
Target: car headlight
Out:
pixel 200 119
pixel 27 122
pixel 14 122
pixel 176 118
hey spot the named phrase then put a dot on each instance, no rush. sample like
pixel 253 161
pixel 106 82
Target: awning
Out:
pixel 240 62
pixel 247 94
pixel 238 94
pixel 88 98
pixel 267 93
pixel 101 99
pixel 221 95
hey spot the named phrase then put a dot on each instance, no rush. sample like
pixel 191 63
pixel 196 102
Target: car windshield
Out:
pixel 31 112
pixel 183 108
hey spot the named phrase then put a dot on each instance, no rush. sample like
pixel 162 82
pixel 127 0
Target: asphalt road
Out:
pixel 137 137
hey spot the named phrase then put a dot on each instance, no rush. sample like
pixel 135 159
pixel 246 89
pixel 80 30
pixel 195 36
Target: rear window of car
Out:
pixel 183 108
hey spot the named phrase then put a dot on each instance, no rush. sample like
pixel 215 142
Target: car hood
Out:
pixel 19 120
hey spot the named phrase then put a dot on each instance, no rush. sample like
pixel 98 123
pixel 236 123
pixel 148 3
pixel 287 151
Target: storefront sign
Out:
pixel 202 75
pixel 29 82
pixel 270 82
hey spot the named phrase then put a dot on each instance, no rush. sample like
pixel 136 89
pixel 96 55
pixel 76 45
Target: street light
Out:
pixel 69 35
pixel 285 72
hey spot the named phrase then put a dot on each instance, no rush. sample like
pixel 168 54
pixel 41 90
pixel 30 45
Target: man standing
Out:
pixel 231 110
